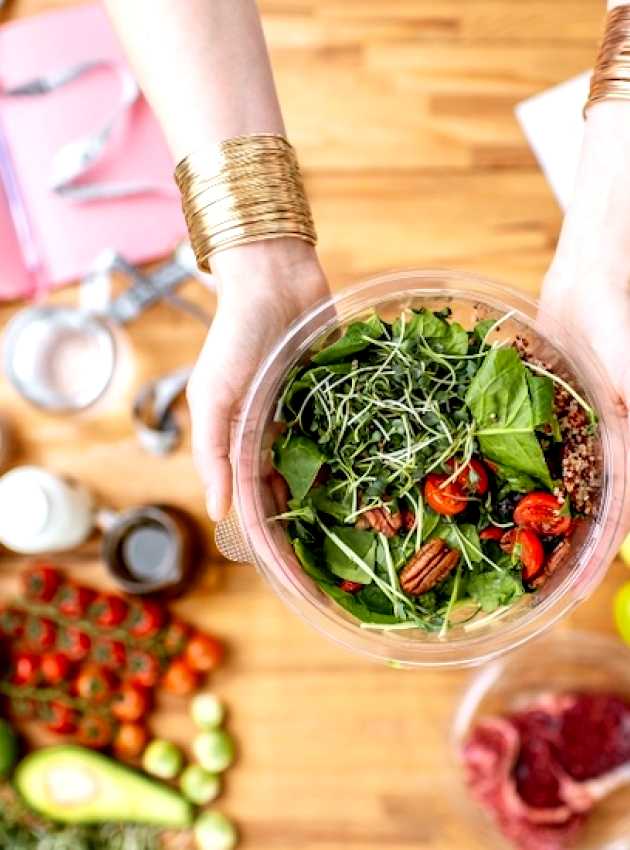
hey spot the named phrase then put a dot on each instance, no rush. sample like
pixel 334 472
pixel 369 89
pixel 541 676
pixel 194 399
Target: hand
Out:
pixel 262 288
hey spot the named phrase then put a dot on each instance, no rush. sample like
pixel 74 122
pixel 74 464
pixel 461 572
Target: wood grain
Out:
pixel 402 111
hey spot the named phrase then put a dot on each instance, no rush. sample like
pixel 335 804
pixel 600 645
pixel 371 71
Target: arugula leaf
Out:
pixel 493 589
pixel 466 541
pixel 362 543
pixel 298 460
pixel 541 392
pixel 357 337
pixel 498 398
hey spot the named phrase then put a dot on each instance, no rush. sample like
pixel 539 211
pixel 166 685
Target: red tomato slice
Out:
pixel 473 478
pixel 540 511
pixel 492 532
pixel 531 553
pixel 447 500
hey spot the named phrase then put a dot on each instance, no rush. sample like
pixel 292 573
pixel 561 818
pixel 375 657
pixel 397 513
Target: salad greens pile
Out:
pixel 367 418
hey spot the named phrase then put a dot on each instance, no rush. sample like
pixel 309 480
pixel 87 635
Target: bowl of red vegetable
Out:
pixel 542 742
pixel 426 472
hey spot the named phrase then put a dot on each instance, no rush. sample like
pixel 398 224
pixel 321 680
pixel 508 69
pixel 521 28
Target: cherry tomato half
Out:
pixel 540 511
pixel 350 586
pixel 203 652
pixel 130 740
pixel 179 678
pixel 55 667
pixel 473 478
pixel 446 500
pixel 530 551
pixel 492 532
pixel 131 702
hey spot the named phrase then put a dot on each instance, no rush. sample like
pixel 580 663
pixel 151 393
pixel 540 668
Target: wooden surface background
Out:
pixel 402 112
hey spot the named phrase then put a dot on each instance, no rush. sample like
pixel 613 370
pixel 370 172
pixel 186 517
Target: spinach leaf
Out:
pixel 362 543
pixel 298 460
pixel 309 561
pixel 455 341
pixel 493 589
pixel 541 392
pixel 498 398
pixel 423 323
pixel 430 521
pixel 463 537
pixel 355 606
pixel 356 338
pixel 512 480
pixel 374 599
pixel 482 327
pixel 339 508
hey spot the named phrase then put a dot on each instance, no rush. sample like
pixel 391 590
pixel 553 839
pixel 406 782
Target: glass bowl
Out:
pixel 562 661
pixel 265 543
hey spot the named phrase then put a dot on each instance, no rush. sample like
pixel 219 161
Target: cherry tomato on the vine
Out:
pixel 540 511
pixel 74 643
pixel 40 633
pixel 145 618
pixel 142 668
pixel 95 731
pixel 12 622
pixel 26 667
pixel 109 653
pixel 59 717
pixel 95 684
pixel 529 550
pixel 179 678
pixel 203 652
pixel 108 610
pixel 131 702
pixel 174 637
pixel 41 582
pixel 55 667
pixel 130 740
pixel 73 600
pixel 446 499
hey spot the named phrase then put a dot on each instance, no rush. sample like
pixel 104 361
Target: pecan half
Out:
pixel 428 567
pixel 380 519
pixel 557 558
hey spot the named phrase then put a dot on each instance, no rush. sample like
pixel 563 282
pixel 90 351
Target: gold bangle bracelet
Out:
pixel 243 190
pixel 611 77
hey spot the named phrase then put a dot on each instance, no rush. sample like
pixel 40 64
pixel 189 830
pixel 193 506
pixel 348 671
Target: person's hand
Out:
pixel 262 288
pixel 587 288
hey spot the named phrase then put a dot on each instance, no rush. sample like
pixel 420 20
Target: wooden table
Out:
pixel 402 111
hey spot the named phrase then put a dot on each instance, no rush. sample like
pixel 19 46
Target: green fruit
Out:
pixel 199 785
pixel 207 711
pixel 8 749
pixel 624 552
pixel 214 750
pixel 621 608
pixel 213 831
pixel 163 759
pixel 75 785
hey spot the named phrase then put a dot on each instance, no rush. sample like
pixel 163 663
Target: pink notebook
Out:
pixel 66 236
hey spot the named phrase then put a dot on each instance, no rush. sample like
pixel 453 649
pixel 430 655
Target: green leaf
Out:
pixel 423 323
pixel 514 481
pixel 309 561
pixel 462 537
pixel 493 589
pixel 355 606
pixel 362 543
pixel 455 341
pixel 298 460
pixel 339 508
pixel 430 522
pixel 356 338
pixel 375 600
pixel 541 392
pixel 498 398
pixel 482 327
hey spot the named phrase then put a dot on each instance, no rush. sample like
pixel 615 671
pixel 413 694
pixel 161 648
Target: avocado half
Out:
pixel 76 785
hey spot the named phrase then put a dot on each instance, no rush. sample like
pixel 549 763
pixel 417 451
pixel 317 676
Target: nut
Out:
pixel 380 519
pixel 557 558
pixel 428 567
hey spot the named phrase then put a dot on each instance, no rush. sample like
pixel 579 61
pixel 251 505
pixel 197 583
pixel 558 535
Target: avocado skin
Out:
pixel 125 795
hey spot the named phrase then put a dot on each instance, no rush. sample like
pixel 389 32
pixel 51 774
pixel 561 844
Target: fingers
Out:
pixel 211 406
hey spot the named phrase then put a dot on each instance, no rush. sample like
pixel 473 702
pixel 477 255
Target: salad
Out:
pixel 428 474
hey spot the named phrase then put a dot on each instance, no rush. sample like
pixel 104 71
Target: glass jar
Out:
pixel 266 545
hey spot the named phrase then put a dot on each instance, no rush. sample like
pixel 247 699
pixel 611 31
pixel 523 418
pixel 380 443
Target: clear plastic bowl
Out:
pixel 563 661
pixel 470 298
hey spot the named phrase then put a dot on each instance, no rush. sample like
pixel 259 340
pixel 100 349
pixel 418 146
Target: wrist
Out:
pixel 283 268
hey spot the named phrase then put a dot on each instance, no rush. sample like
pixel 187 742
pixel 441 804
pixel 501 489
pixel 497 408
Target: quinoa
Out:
pixel 580 467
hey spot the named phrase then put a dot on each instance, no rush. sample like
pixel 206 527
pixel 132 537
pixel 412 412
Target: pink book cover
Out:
pixel 67 236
